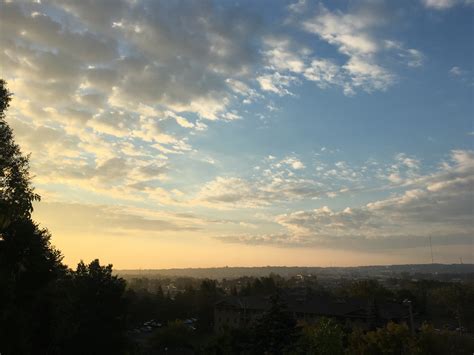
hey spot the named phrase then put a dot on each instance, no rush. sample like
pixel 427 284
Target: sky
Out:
pixel 246 133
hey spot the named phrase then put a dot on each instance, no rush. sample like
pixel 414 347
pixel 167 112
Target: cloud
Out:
pixel 298 6
pixel 412 57
pixel 325 73
pixel 439 205
pixel 103 219
pixel 351 34
pixel 281 57
pixel 276 83
pixel 112 73
pixel 354 36
pixel 293 162
pixel 456 71
pixel 275 182
pixel 445 4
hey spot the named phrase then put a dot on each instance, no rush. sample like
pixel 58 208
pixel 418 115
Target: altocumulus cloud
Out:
pixel 96 82
pixel 110 94
pixel 439 205
pixel 101 82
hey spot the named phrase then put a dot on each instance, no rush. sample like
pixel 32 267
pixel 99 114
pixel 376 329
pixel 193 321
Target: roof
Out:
pixel 323 306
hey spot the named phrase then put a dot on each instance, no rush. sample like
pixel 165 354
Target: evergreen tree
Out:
pixel 275 333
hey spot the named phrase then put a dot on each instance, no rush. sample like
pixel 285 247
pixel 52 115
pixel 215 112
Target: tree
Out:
pixel 324 338
pixel 176 335
pixel 206 298
pixel 16 192
pixel 29 265
pixel 275 331
pixel 91 318
pixel 368 289
pixel 439 342
pixel 392 339
pixel 45 308
pixel 454 302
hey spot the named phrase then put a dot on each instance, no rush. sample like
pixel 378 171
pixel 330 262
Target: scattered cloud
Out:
pixel 445 4
pixel 119 103
pixel 439 205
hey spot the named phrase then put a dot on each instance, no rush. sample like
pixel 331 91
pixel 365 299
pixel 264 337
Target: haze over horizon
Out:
pixel 211 133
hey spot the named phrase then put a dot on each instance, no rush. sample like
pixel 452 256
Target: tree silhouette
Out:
pixel 16 193
pixel 92 311
pixel 275 331
pixel 29 265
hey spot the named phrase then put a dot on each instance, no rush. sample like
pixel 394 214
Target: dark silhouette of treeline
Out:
pixel 45 307
pixel 48 308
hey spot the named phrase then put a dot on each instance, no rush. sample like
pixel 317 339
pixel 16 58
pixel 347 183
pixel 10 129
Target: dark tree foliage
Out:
pixel 275 332
pixel 324 338
pixel 175 335
pixel 45 308
pixel 29 266
pixel 207 296
pixel 16 193
pixel 391 339
pixel 91 316
pixel 231 341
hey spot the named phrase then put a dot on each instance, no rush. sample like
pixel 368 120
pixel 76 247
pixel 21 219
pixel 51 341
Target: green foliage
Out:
pixel 368 289
pixel 436 342
pixel 454 301
pixel 392 339
pixel 324 338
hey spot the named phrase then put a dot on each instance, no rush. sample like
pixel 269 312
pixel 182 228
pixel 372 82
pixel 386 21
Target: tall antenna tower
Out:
pixel 431 249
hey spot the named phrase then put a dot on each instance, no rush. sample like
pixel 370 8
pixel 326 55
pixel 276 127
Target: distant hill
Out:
pixel 358 271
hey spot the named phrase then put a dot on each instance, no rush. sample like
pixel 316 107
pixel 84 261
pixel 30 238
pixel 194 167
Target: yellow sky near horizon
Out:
pixel 170 249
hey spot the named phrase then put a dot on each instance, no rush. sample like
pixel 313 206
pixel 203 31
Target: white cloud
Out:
pixel 298 6
pixel 276 83
pixel 412 57
pixel 182 121
pixel 324 72
pixel 445 4
pixel 456 71
pixel 281 57
pixel 95 83
pixel 438 205
pixel 293 162
pixel 354 35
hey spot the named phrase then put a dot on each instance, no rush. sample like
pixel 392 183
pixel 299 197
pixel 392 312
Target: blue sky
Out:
pixel 203 133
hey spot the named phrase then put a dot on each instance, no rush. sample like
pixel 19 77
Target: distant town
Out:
pixel 445 272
